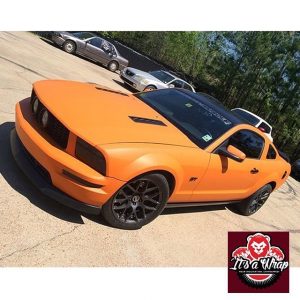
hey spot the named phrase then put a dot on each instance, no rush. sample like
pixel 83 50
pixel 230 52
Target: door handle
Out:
pixel 254 171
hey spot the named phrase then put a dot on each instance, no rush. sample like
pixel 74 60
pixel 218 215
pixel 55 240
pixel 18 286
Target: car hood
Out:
pixel 101 116
pixel 145 75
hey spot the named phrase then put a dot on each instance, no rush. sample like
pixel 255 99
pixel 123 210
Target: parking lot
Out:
pixel 35 231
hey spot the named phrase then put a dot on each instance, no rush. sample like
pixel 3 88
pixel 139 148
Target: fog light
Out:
pixel 45 118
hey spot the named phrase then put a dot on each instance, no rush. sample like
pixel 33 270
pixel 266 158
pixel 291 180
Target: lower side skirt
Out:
pixel 198 204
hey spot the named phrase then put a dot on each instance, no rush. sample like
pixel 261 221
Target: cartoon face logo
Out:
pixel 258 245
pixel 258 248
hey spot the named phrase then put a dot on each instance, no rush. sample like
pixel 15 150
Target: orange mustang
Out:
pixel 131 155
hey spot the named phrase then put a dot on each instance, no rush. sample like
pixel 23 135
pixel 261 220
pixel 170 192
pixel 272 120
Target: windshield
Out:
pixel 83 35
pixel 162 76
pixel 246 116
pixel 196 116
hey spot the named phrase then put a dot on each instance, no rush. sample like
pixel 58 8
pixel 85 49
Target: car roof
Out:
pixel 86 32
pixel 251 113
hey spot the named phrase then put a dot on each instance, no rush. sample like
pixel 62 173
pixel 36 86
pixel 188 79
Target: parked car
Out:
pixel 296 169
pixel 131 155
pixel 255 120
pixel 92 47
pixel 148 81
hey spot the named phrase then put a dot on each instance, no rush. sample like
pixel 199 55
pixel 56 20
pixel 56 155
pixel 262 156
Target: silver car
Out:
pixel 90 46
pixel 147 81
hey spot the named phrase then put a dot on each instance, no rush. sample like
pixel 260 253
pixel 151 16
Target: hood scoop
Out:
pixel 147 121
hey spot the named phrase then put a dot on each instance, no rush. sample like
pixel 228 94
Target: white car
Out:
pixel 255 120
pixel 147 81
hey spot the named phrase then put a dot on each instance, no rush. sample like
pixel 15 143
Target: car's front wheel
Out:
pixel 137 203
pixel 252 204
pixel 149 88
pixel 69 47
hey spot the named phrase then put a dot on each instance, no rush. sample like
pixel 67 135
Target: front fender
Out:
pixel 127 162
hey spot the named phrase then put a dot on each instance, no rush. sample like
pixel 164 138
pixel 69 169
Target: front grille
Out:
pixel 126 80
pixel 38 167
pixel 129 73
pixel 55 129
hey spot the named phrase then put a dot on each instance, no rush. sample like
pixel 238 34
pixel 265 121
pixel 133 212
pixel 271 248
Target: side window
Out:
pixel 187 87
pixel 178 83
pixel 248 142
pixel 271 153
pixel 113 50
pixel 96 42
pixel 106 46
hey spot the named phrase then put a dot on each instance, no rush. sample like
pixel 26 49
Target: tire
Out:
pixel 252 204
pixel 113 66
pixel 149 88
pixel 137 203
pixel 69 47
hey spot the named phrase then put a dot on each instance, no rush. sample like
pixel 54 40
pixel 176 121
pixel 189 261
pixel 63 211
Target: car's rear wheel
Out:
pixel 69 47
pixel 252 204
pixel 137 203
pixel 149 88
pixel 113 66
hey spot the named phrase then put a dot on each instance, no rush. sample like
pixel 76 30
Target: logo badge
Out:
pixel 258 262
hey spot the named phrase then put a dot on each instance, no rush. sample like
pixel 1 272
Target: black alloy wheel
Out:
pixel 252 204
pixel 138 202
pixel 258 201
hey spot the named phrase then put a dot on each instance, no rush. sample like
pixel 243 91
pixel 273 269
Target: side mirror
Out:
pixel 171 86
pixel 232 152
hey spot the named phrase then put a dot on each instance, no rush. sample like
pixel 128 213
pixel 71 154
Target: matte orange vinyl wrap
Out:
pixel 101 118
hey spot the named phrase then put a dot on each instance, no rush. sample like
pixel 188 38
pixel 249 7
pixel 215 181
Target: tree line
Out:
pixel 258 71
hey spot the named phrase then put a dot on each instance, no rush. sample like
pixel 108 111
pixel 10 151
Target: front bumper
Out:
pixel 58 164
pixel 58 40
pixel 27 164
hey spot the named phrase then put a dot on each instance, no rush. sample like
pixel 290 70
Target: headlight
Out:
pixel 90 156
pixel 35 105
pixel 44 118
pixel 145 81
pixel 139 77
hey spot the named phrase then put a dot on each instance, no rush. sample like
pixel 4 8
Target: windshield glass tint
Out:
pixel 194 115
pixel 246 116
pixel 162 76
pixel 83 35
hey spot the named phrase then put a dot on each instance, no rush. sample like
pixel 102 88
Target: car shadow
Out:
pixel 20 183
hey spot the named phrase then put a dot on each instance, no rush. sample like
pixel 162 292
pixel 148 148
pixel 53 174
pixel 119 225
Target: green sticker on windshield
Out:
pixel 206 138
